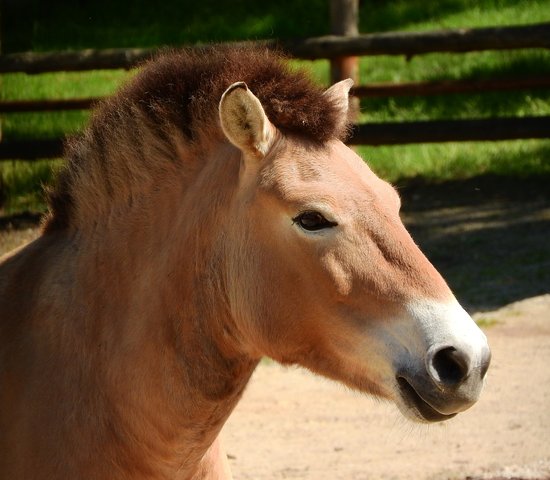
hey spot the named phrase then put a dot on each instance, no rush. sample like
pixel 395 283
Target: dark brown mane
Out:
pixel 180 91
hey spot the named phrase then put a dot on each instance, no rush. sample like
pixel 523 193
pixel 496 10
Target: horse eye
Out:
pixel 313 221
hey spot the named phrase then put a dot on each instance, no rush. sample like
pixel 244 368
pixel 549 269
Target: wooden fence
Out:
pixel 391 43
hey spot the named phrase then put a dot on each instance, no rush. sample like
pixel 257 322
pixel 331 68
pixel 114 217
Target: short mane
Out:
pixel 177 93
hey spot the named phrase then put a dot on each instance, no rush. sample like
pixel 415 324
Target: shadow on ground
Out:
pixel 489 236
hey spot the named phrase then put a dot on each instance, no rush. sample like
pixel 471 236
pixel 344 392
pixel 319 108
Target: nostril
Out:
pixel 449 366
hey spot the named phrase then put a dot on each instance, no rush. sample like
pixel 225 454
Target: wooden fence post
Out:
pixel 344 20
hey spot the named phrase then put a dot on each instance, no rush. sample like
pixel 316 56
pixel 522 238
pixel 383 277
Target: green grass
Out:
pixel 23 184
pixel 61 85
pixel 451 161
pixel 422 15
pixel 39 25
pixel 19 86
pixel 487 322
pixel 43 26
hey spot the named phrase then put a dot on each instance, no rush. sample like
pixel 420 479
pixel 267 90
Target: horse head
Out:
pixel 321 271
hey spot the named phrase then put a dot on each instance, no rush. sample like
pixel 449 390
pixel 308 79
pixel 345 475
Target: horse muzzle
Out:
pixel 450 382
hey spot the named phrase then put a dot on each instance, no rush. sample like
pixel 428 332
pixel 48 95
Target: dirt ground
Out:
pixel 491 240
pixel 293 425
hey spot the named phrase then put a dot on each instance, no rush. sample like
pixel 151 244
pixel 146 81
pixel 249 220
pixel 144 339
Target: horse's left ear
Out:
pixel 339 96
pixel 244 121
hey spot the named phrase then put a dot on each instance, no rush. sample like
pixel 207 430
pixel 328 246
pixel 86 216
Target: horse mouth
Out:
pixel 416 403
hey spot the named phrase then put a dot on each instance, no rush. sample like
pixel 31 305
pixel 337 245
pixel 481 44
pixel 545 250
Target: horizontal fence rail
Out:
pixel 327 47
pixel 374 134
pixel 389 43
pixel 31 149
pixel 417 43
pixel 20 106
pixel 81 60
pixel 446 87
pixel 436 131
pixel 372 90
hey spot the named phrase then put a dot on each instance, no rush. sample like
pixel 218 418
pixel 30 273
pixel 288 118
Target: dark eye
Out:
pixel 313 221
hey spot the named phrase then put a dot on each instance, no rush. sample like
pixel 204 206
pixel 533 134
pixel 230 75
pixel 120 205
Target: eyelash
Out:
pixel 313 221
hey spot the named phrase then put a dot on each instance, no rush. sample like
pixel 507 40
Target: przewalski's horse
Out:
pixel 210 215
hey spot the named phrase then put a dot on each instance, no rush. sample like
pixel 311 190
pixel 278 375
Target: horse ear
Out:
pixel 244 121
pixel 339 96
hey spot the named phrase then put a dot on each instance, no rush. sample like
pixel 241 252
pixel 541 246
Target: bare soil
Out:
pixel 490 237
pixel 294 425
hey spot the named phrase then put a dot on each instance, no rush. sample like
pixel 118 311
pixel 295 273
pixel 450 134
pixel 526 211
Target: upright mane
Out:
pixel 173 100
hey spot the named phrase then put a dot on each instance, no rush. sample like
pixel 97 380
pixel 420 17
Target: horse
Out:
pixel 208 216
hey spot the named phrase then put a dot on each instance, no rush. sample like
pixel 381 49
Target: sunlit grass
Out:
pixel 104 24
pixel 59 85
pixel 23 184
pixel 439 162
pixel 422 15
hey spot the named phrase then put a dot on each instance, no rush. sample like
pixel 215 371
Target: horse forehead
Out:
pixel 333 169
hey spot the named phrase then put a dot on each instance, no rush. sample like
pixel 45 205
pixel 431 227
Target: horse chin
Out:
pixel 415 408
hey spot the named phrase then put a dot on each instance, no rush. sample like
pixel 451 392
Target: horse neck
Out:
pixel 152 275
